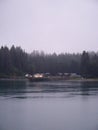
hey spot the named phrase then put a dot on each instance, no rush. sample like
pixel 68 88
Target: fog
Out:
pixel 50 25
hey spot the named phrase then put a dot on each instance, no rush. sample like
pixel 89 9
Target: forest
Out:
pixel 15 61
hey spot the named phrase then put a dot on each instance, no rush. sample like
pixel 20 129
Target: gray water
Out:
pixel 64 105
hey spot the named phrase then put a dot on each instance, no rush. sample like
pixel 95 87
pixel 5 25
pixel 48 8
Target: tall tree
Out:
pixel 85 64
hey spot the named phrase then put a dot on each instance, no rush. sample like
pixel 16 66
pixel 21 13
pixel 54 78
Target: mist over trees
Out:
pixel 16 62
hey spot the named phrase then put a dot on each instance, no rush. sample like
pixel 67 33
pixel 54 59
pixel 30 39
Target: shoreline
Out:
pixel 84 80
pixel 70 79
pixel 13 79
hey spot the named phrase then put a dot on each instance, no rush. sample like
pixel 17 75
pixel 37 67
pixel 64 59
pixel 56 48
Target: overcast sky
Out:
pixel 50 25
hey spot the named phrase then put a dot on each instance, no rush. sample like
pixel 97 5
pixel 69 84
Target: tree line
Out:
pixel 16 62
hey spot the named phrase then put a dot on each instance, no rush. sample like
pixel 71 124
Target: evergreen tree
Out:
pixel 85 64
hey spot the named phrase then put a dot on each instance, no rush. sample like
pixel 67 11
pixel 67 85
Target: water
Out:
pixel 64 105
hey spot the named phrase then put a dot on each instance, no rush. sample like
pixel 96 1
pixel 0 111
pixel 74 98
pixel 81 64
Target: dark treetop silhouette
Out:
pixel 16 62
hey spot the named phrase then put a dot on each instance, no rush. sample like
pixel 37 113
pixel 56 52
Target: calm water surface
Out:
pixel 64 105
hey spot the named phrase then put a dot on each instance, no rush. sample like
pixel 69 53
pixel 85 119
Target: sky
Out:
pixel 50 25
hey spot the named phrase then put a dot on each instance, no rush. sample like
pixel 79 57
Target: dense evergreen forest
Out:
pixel 16 62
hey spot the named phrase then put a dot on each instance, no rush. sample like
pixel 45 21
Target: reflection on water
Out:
pixel 64 105
pixel 59 89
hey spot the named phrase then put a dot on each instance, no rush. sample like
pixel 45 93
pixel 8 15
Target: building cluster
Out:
pixel 60 75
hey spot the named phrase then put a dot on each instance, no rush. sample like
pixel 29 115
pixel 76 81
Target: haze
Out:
pixel 50 25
